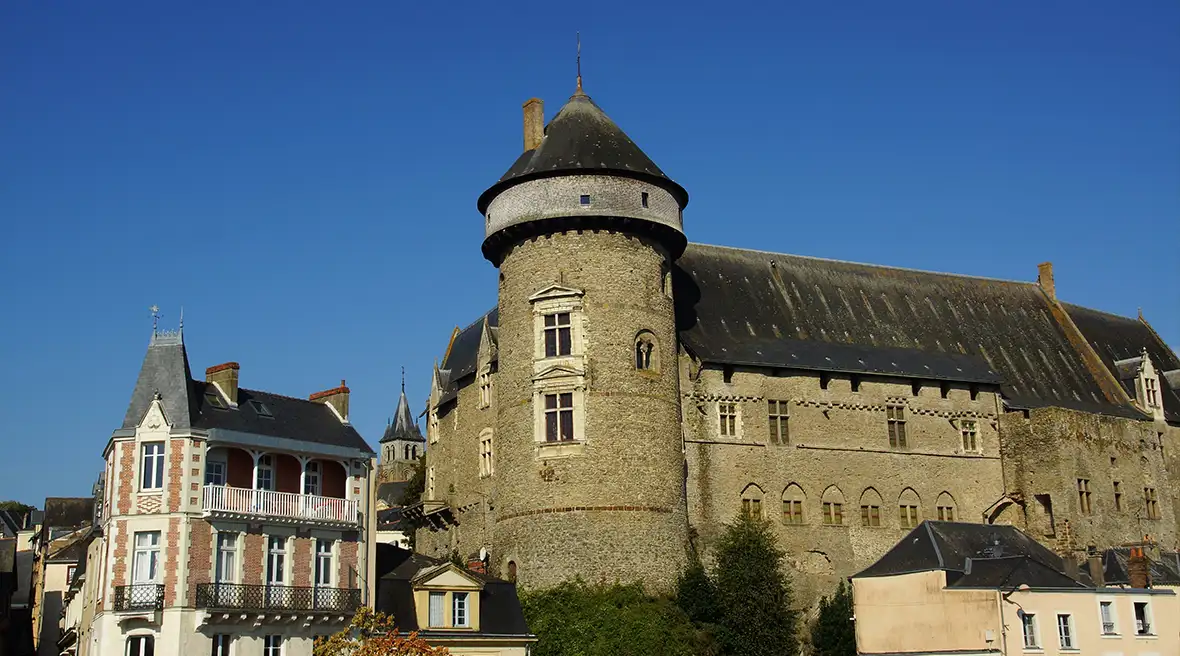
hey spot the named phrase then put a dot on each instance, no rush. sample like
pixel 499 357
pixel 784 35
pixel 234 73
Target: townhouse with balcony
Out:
pixel 235 521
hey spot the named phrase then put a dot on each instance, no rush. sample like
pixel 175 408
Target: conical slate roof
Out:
pixel 165 371
pixel 403 426
pixel 581 138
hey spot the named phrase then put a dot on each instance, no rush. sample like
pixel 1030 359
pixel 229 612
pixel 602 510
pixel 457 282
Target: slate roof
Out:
pixel 499 607
pixel 68 512
pixel 1116 562
pixel 8 556
pixel 581 138
pixel 752 307
pixel 403 427
pixel 11 523
pixel 973 555
pixel 1117 338
pixel 389 520
pixel 165 371
pixel 391 493
pixel 461 361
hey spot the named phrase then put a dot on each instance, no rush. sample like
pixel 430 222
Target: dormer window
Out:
pixel 459 615
pixel 261 409
pixel 1151 391
pixel 437 605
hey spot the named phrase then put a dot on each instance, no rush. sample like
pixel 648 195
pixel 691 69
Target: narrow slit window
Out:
pixel 895 417
pixel 643 198
pixel 584 200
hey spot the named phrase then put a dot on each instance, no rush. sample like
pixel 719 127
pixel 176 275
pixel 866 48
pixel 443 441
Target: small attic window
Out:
pixel 643 198
pixel 214 399
pixel 261 409
pixel 585 200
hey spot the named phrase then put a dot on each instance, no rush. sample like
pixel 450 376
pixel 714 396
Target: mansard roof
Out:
pixel 744 307
pixel 582 139
pixel 1116 339
pixel 165 371
pixel 403 427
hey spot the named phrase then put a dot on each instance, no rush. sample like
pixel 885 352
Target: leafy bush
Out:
pixel 834 633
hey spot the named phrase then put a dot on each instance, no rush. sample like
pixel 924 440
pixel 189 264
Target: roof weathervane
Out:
pixel 155 318
pixel 579 61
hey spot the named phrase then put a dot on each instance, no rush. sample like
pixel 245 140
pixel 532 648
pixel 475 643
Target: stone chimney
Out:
pixel 1096 573
pixel 534 123
pixel 225 377
pixel 1139 569
pixel 1045 279
pixel 336 397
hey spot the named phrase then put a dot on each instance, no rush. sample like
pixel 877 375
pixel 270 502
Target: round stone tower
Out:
pixel 584 228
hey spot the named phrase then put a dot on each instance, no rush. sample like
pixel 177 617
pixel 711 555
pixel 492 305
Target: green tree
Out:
pixel 374 634
pixel 753 592
pixel 695 593
pixel 833 633
pixel 17 506
pixel 576 619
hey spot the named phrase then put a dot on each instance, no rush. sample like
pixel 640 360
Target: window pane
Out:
pixel 567 400
pixel 436 608
pixel 567 424
pixel 550 401
pixel 563 341
pixel 550 426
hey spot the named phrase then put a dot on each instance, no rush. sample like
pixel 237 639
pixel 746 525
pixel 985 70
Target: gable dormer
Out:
pixel 1141 375
pixel 446 598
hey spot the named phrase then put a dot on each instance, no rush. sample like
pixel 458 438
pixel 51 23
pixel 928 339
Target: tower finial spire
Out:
pixel 579 91
pixel 403 379
pixel 155 318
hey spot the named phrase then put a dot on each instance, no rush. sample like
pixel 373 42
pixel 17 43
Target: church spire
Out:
pixel 403 426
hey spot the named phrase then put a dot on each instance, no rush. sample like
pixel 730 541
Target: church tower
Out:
pixel 584 229
pixel 401 445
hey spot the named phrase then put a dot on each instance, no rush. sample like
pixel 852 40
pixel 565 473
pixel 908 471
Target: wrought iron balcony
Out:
pixel 244 503
pixel 235 596
pixel 140 596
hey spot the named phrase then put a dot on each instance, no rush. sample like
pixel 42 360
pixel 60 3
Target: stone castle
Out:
pixel 631 392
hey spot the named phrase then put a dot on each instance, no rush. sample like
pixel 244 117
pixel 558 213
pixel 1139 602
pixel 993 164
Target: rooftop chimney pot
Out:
pixel 1045 279
pixel 337 398
pixel 534 123
pixel 225 377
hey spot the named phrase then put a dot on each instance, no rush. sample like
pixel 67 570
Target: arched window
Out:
pixel 946 507
pixel 909 508
pixel 406 452
pixel 793 500
pixel 647 356
pixel 870 508
pixel 752 501
pixel 414 453
pixel 833 506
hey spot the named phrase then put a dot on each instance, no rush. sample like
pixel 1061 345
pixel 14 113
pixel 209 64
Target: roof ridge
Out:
pixel 281 396
pixel 865 264
pixel 1090 309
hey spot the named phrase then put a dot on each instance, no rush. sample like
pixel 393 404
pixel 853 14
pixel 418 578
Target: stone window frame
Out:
pixel 895 420
pixel 558 299
pixel 559 374
pixel 778 416
pixel 752 498
pixel 485 386
pixel 871 503
pixel 794 502
pixel 487 463
pixel 832 503
pixel 430 483
pixel 969 434
pixel 432 425
pixel 946 508
pixel 1118 495
pixel 731 409
pixel 1085 500
pixel 647 359
pixel 1151 504
pixel 909 508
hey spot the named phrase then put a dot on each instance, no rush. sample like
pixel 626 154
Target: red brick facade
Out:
pixel 119 571
pixel 200 556
pixel 175 473
pixel 348 561
pixel 253 557
pixel 126 485
pixel 301 563
pixel 172 561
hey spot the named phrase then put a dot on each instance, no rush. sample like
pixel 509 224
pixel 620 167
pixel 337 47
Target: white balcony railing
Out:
pixel 238 501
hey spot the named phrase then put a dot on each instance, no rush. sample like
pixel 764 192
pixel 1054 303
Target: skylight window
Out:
pixel 261 409
pixel 214 399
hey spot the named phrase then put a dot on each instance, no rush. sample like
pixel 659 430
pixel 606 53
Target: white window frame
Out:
pixel 1033 640
pixel 222 644
pixel 151 480
pixel 312 479
pixel 226 563
pixel 143 639
pixel 460 607
pixel 266 464
pixel 325 559
pixel 436 616
pixel 272 645
pixel 148 548
pixel 276 560
pixel 1067 636
pixel 1112 604
pixel 1147 627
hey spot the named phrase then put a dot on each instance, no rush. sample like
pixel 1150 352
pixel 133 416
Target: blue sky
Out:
pixel 302 177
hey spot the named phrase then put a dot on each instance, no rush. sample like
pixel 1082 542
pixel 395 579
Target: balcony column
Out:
pixel 304 502
pixel 254 501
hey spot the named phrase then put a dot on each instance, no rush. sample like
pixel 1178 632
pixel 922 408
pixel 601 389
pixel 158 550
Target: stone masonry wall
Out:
pixel 614 511
pixel 1046 454
pixel 837 437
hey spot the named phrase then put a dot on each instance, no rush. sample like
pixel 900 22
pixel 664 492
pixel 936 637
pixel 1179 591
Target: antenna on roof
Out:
pixel 403 379
pixel 579 60
pixel 155 317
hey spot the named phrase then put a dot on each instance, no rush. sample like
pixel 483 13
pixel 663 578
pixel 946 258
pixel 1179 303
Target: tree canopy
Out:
pixel 374 634
pixel 834 633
